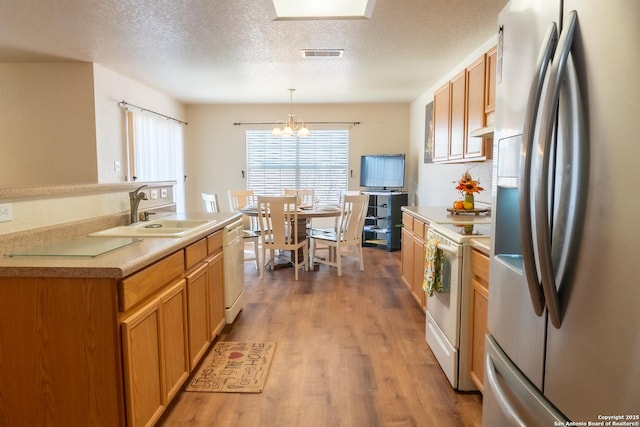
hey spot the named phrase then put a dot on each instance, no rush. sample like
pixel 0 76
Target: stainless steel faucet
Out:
pixel 134 199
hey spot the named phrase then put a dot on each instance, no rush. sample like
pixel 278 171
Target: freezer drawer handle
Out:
pixel 492 380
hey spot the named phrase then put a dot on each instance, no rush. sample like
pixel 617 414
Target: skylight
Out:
pixel 325 9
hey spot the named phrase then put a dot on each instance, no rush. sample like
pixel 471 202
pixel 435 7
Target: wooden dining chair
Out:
pixel 348 233
pixel 210 203
pixel 239 199
pixel 280 230
pixel 305 196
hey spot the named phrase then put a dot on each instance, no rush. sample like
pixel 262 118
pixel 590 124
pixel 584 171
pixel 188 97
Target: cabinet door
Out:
pixel 199 340
pixel 480 304
pixel 441 123
pixel 216 295
pixel 407 258
pixel 490 86
pixel 174 338
pixel 418 271
pixel 142 365
pixel 458 126
pixel 475 108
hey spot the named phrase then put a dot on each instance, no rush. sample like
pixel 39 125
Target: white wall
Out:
pixel 109 89
pixel 47 125
pixel 434 183
pixel 60 123
pixel 215 148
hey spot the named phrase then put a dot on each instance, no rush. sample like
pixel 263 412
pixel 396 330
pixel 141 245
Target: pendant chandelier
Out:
pixel 290 127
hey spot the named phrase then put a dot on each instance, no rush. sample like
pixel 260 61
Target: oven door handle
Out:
pixel 448 248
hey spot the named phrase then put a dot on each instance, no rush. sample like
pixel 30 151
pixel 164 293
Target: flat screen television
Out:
pixel 385 171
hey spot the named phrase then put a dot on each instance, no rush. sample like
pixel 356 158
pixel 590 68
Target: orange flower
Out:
pixel 467 185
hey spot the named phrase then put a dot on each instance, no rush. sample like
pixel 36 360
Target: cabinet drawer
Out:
pixel 407 221
pixel 140 285
pixel 480 265
pixel 214 243
pixel 418 228
pixel 195 253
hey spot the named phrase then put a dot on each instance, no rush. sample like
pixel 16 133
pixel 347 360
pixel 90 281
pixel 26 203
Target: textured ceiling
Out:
pixel 229 51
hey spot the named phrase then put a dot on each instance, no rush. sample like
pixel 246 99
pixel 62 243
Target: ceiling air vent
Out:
pixel 322 53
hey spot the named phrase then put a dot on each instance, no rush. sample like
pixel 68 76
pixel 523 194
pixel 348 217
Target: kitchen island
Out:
pixel 110 339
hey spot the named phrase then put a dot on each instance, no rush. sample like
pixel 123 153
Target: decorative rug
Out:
pixel 234 367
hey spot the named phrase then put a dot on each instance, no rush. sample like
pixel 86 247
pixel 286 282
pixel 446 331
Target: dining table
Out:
pixel 305 214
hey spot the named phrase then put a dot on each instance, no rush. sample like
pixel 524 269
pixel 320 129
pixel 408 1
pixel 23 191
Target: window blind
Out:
pixel 319 161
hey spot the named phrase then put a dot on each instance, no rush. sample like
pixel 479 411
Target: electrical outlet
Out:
pixel 163 193
pixel 153 194
pixel 6 212
pixel 117 166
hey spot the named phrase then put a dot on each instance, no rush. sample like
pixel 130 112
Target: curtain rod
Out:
pixel 125 104
pixel 306 123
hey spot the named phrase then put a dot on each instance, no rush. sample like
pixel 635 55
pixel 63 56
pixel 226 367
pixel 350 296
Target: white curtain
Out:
pixel 158 149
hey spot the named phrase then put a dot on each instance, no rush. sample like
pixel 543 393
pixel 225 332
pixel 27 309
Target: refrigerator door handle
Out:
pixel 550 109
pixel 526 211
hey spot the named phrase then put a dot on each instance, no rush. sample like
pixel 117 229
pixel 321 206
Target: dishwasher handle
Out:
pixel 232 232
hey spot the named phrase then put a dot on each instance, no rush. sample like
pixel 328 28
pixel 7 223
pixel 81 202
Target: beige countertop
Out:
pixel 482 244
pixel 117 263
pixel 441 215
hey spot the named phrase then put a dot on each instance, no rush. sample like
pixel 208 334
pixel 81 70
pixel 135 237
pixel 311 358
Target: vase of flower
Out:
pixel 469 203
pixel 467 187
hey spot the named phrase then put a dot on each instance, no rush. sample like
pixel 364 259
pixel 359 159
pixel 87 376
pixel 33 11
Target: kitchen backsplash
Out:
pixel 438 181
pixel 35 208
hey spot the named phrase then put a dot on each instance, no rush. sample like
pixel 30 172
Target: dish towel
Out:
pixel 433 261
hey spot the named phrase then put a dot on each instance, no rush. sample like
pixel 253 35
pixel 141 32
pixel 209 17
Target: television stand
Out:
pixel 383 224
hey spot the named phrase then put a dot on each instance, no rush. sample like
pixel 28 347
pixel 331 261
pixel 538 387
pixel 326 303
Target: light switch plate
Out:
pixel 6 212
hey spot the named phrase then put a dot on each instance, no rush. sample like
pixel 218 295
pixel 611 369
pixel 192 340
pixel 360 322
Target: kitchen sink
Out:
pixel 172 223
pixel 157 228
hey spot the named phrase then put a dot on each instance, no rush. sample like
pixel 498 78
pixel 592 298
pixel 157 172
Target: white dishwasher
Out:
pixel 233 249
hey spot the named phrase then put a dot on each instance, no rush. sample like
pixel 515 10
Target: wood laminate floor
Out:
pixel 350 352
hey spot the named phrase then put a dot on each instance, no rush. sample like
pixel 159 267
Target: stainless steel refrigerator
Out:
pixel 564 294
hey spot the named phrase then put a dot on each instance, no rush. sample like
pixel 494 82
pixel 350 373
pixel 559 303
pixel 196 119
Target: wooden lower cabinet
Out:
pixel 205 293
pixel 407 257
pixel 479 304
pixel 60 356
pixel 199 337
pixel 174 336
pixel 108 351
pixel 412 256
pixel 215 294
pixel 154 341
pixel 418 272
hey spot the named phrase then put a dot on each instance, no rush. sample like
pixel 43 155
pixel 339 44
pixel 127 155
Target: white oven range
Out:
pixel 448 317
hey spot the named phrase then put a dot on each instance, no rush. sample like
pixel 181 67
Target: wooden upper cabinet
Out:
pixel 458 127
pixel 474 146
pixel 441 126
pixel 490 92
pixel 462 105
